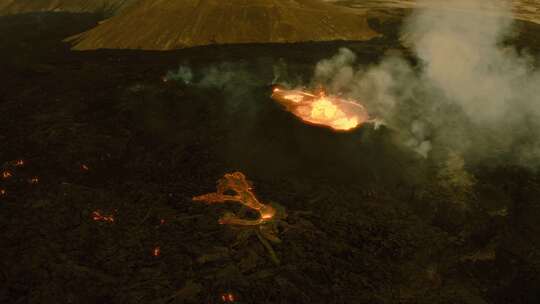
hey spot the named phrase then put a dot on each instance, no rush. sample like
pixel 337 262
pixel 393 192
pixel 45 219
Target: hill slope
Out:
pixel 8 7
pixel 172 24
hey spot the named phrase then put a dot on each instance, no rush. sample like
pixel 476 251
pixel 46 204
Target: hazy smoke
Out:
pixel 183 74
pixel 226 76
pixel 280 71
pixel 235 80
pixel 336 71
pixel 470 93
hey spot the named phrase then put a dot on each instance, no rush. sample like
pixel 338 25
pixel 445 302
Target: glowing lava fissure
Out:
pixel 321 109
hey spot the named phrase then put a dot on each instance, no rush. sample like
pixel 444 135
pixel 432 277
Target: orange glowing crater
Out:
pixel 321 109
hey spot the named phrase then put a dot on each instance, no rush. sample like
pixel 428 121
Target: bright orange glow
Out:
pixel 320 109
pixel 6 174
pixel 227 297
pixel 2 192
pixel 156 252
pixel 237 183
pixel 19 163
pixel 34 180
pixel 84 167
pixel 98 217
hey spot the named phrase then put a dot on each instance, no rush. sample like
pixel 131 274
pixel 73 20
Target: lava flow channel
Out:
pixel 319 109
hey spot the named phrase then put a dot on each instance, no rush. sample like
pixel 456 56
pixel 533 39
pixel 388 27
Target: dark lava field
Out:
pixel 101 158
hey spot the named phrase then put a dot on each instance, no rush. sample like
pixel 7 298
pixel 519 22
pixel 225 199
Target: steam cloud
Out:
pixel 470 93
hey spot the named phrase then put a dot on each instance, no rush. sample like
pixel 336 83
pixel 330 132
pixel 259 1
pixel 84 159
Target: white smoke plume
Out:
pixel 470 92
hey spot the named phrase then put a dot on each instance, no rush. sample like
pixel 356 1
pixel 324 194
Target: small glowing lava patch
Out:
pixel 99 217
pixel 228 297
pixel 6 174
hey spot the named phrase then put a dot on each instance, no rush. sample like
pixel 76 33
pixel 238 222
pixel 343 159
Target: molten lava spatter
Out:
pixel 99 217
pixel 6 174
pixel 227 297
pixel 237 183
pixel 271 216
pixel 321 109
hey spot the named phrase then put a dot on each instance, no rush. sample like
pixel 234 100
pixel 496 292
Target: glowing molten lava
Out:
pixel 99 217
pixel 320 109
pixel 227 297
pixel 6 174
pixel 243 194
